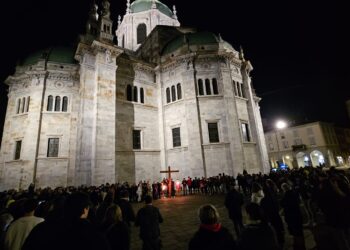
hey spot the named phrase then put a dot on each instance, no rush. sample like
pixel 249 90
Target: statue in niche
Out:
pixel 108 56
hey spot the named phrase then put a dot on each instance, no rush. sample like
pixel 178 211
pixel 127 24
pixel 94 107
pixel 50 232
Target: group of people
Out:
pixel 101 217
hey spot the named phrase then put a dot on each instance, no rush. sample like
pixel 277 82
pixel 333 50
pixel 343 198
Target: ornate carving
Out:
pixel 58 85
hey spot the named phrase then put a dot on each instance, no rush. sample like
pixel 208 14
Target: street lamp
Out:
pixel 280 124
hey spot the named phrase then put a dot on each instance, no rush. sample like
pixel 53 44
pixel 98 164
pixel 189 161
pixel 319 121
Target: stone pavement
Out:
pixel 181 221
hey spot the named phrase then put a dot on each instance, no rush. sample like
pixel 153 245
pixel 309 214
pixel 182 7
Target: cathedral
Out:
pixel 123 105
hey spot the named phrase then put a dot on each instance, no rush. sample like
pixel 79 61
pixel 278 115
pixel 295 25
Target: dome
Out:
pixel 198 38
pixel 56 54
pixel 143 5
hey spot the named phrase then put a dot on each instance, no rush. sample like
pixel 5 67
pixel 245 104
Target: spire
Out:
pixel 105 11
pixel 154 5
pixel 128 7
pixel 174 12
pixel 119 20
pixel 241 53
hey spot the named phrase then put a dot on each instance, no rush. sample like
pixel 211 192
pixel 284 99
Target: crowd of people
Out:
pixel 101 217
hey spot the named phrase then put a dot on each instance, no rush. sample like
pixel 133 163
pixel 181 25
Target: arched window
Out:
pixel 123 42
pixel 235 88
pixel 135 94
pixel 49 103
pixel 200 87
pixel 215 87
pixel 142 96
pixel 179 93
pixel 58 103
pixel 18 105
pixel 243 90
pixel 28 102
pixel 207 87
pixel 65 104
pixel 129 93
pixel 23 104
pixel 173 94
pixel 167 95
pixel 239 90
pixel 141 33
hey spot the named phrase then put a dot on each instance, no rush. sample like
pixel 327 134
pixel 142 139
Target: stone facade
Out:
pixel 181 98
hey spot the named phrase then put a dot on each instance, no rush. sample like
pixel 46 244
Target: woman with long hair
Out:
pixel 116 231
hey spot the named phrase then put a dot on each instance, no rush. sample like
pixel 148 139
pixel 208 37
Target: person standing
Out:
pixel 19 230
pixel 211 234
pixel 184 186
pixel 115 229
pixel 148 219
pixel 233 203
pixel 126 208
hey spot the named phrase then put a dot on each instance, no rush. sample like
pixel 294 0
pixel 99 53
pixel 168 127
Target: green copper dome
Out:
pixel 56 54
pixel 198 38
pixel 143 5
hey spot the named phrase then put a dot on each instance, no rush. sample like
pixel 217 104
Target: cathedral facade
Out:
pixel 123 105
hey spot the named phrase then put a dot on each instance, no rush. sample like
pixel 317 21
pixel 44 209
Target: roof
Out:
pixel 144 5
pixel 198 38
pixel 57 54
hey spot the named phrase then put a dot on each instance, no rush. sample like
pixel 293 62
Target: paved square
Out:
pixel 181 221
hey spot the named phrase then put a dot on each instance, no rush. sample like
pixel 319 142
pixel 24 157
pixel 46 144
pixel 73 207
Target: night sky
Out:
pixel 298 49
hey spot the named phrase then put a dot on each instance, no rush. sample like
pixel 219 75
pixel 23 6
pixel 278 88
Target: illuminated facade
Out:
pixel 122 108
pixel 313 144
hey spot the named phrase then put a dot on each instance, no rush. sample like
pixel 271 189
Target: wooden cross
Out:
pixel 169 171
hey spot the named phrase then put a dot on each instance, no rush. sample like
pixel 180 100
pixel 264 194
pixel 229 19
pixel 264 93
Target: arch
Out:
pixel 142 96
pixel 18 105
pixel 58 103
pixel 300 159
pixel 173 93
pixel 27 105
pixel 49 103
pixel 123 42
pixel 65 104
pixel 317 158
pixel 141 33
pixel 129 93
pixel 215 86
pixel 179 92
pixel 200 87
pixel 135 97
pixel 167 95
pixel 288 160
pixel 207 87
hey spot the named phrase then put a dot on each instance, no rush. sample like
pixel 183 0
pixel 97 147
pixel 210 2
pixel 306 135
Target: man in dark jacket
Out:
pixel 73 232
pixel 148 218
pixel 233 203
pixel 125 206
pixel 258 234
pixel 211 234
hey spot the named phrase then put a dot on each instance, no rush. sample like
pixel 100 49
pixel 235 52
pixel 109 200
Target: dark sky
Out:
pixel 298 48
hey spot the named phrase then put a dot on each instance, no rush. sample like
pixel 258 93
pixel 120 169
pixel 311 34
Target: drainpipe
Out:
pixel 199 116
pixel 40 117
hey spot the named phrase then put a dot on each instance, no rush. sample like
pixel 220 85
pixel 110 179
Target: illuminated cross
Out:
pixel 169 171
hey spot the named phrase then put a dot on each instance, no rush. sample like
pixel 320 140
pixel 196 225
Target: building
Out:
pixel 312 144
pixel 107 111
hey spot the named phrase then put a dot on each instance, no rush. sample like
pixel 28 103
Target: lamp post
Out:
pixel 279 125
